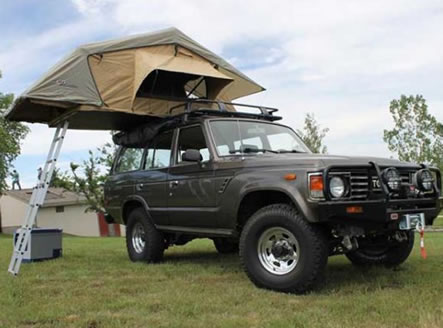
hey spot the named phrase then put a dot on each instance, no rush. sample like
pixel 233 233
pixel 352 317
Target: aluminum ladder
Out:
pixel 37 199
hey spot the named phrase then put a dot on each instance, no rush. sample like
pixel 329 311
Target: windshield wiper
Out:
pixel 284 151
pixel 252 150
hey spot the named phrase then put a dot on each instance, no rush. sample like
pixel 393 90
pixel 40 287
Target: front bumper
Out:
pixel 376 211
pixel 381 211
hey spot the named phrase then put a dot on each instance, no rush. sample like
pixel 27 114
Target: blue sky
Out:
pixel 344 61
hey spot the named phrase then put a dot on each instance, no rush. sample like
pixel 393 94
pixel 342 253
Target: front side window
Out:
pixel 129 160
pixel 245 137
pixel 158 155
pixel 192 138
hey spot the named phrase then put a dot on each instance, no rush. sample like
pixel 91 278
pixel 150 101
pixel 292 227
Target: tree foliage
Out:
pixel 89 181
pixel 417 135
pixel 91 174
pixel 11 134
pixel 62 180
pixel 313 135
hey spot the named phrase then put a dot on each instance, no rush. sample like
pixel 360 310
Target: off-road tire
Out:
pixel 313 250
pixel 226 245
pixel 390 256
pixel 154 243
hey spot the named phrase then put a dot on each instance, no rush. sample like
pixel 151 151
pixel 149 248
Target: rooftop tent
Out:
pixel 122 83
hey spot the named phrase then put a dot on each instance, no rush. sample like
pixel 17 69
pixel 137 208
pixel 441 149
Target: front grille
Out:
pixel 406 176
pixel 363 183
pixel 359 185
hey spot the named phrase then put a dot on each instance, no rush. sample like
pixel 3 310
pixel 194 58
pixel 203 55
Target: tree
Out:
pixel 89 182
pixel 313 135
pixel 62 180
pixel 91 174
pixel 11 134
pixel 106 155
pixel 417 135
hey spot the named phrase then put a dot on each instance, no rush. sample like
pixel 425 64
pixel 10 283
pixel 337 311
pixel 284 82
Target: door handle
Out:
pixel 173 184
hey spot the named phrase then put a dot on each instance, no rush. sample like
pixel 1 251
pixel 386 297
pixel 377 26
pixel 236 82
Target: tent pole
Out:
pixel 23 235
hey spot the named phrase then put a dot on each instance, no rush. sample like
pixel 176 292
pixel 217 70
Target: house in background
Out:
pixel 62 209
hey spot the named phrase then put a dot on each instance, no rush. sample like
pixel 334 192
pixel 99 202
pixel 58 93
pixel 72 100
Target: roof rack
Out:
pixel 264 113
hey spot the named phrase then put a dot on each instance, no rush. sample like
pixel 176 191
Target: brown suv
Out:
pixel 252 186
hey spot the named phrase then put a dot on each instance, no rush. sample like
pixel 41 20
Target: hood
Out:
pixel 320 160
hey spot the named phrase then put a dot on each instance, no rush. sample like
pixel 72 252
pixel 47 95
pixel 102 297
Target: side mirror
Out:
pixel 192 155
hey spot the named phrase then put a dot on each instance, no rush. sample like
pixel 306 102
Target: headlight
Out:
pixel 337 187
pixel 424 180
pixel 392 178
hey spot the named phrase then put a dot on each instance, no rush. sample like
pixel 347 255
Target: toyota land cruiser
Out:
pixel 253 187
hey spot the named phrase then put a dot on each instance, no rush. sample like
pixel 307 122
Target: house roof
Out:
pixel 54 197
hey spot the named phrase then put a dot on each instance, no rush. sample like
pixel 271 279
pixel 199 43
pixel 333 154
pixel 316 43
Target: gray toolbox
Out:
pixel 44 244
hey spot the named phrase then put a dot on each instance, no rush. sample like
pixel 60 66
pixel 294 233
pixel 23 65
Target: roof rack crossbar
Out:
pixel 264 112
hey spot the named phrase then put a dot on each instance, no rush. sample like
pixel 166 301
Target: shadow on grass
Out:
pixel 340 275
pixel 345 276
pixel 202 257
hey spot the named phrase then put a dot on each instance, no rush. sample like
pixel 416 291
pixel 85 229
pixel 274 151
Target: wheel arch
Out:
pixel 255 199
pixel 132 203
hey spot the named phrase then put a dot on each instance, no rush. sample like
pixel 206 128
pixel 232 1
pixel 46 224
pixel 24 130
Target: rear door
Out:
pixel 191 198
pixel 121 183
pixel 152 182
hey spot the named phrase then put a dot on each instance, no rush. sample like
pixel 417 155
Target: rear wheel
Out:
pixel 282 251
pixel 225 245
pixel 143 241
pixel 389 254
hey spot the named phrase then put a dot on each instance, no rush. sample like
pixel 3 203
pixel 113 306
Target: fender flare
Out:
pixel 294 195
pixel 139 200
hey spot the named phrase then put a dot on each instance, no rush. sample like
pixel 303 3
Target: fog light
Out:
pixel 424 180
pixel 392 178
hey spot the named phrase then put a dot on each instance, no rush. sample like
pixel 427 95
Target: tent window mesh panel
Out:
pixel 162 84
pixel 59 209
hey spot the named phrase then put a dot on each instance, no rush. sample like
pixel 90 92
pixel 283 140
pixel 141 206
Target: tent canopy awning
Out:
pixel 118 84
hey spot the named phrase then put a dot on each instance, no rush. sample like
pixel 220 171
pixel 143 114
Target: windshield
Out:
pixel 245 137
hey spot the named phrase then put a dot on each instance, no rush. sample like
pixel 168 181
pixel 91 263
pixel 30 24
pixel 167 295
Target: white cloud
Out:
pixel 342 60
pixel 40 137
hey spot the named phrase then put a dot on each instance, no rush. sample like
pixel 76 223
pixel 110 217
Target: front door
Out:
pixel 191 198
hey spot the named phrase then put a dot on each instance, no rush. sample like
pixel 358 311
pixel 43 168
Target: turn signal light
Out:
pixel 354 209
pixel 316 183
pixel 290 176
pixel 316 186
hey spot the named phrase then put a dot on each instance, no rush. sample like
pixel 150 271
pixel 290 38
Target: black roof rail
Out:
pixel 264 113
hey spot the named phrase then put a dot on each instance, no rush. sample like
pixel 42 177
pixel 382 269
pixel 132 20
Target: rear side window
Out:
pixel 129 160
pixel 158 155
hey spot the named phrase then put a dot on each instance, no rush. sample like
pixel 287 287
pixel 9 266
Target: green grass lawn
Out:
pixel 439 220
pixel 95 285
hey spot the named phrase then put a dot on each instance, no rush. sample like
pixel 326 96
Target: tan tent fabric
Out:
pixel 106 77
pixel 113 74
pixel 119 74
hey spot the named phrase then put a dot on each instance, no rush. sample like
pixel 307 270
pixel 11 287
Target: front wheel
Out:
pixel 388 254
pixel 281 251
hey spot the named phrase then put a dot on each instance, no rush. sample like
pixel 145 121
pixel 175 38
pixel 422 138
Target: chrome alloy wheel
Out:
pixel 138 237
pixel 278 250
